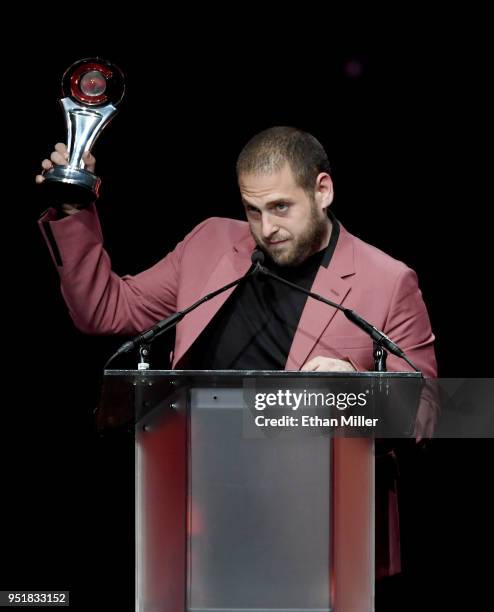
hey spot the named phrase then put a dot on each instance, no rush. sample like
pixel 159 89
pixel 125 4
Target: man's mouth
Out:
pixel 275 242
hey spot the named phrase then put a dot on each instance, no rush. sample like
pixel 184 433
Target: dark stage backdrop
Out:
pixel 401 130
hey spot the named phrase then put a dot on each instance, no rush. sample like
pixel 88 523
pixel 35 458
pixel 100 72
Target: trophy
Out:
pixel 92 90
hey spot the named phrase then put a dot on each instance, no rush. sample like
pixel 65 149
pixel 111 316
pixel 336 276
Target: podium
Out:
pixel 231 517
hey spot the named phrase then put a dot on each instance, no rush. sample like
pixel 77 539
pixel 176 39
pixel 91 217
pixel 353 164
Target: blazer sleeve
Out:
pixel 100 301
pixel 408 324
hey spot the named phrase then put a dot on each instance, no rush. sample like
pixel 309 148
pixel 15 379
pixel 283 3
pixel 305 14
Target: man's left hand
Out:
pixel 327 364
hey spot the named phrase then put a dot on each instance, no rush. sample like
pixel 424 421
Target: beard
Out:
pixel 299 248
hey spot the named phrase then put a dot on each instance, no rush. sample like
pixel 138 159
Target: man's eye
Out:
pixel 281 207
pixel 251 209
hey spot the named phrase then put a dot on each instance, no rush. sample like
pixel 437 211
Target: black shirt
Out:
pixel 254 328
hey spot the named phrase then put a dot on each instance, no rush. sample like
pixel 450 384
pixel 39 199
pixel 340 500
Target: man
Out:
pixel 286 188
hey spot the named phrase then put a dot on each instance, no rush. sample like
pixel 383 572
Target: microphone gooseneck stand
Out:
pixel 144 339
pixel 382 344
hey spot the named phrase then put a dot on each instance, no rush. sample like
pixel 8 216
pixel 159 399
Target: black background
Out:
pixel 405 138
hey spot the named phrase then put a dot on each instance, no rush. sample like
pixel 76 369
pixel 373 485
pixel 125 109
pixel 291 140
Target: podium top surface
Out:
pixel 218 375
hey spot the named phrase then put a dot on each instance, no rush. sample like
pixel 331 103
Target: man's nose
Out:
pixel 268 227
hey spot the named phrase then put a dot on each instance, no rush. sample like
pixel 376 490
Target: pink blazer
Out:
pixel 381 289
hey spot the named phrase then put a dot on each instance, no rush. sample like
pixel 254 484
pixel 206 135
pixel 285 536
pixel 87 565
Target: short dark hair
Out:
pixel 268 151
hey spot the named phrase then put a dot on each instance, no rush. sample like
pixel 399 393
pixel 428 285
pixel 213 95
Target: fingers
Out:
pixel 327 364
pixel 310 366
pixel 46 164
pixel 60 157
pixel 61 148
pixel 89 161
pixel 70 209
pixel 316 364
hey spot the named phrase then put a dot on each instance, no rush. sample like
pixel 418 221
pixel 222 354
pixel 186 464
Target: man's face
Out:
pixel 288 223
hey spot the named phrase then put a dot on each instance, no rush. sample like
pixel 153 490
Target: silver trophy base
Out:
pixel 64 184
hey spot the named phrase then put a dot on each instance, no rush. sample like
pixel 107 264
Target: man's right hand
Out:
pixel 59 157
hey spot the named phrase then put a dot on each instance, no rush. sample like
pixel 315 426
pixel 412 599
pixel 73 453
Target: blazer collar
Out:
pixel 334 283
pixel 234 264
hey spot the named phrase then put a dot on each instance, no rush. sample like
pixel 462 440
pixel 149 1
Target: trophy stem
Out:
pixel 84 125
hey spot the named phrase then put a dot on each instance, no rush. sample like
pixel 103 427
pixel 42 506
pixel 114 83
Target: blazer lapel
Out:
pixel 333 283
pixel 234 264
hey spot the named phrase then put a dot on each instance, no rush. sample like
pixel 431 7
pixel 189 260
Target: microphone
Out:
pixel 162 326
pixel 377 335
pixel 257 259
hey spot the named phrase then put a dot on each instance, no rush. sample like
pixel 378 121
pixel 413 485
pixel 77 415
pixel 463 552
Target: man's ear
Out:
pixel 324 190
